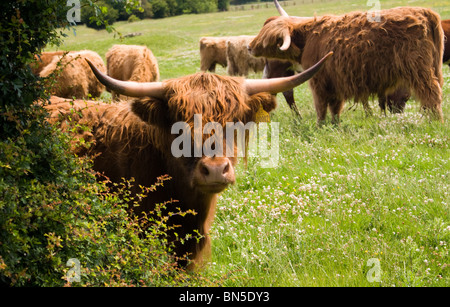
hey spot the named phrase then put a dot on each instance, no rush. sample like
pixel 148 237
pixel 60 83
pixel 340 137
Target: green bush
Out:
pixel 53 211
pixel 99 16
pixel 133 18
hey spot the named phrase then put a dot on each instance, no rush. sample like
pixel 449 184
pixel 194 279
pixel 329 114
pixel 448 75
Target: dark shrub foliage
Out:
pixel 58 224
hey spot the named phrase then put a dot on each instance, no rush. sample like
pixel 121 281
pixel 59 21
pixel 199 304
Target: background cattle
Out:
pixel 134 140
pixel 239 60
pixel 42 60
pixel 73 77
pixel 403 49
pixel 213 50
pixel 131 63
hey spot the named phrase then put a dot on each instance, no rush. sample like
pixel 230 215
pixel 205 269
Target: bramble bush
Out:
pixel 52 208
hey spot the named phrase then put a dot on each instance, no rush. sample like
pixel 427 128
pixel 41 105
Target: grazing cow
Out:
pixel 403 49
pixel 213 50
pixel 239 60
pixel 135 140
pixel 42 60
pixel 131 63
pixel 75 78
pixel 396 102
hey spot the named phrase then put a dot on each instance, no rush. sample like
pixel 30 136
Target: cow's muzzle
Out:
pixel 213 174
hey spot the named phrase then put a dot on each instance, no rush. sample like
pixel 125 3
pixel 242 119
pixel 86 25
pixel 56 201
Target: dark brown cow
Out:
pixel 404 48
pixel 446 28
pixel 275 68
pixel 135 139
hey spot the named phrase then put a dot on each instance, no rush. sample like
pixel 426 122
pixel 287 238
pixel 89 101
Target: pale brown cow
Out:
pixel 239 60
pixel 73 77
pixel 213 50
pixel 134 140
pixel 131 63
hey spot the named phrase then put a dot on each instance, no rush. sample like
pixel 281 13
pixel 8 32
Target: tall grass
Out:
pixel 376 187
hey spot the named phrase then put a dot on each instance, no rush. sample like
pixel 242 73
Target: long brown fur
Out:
pixel 131 63
pixel 134 140
pixel 404 49
pixel 76 78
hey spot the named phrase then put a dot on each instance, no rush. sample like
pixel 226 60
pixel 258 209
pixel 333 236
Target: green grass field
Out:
pixel 371 195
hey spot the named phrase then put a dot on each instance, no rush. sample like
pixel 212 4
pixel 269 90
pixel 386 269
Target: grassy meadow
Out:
pixel 362 204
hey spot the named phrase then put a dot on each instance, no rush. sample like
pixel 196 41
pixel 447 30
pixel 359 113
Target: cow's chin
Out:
pixel 212 188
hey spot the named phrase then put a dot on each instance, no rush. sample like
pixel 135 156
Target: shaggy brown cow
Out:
pixel 403 49
pixel 213 50
pixel 135 140
pixel 76 78
pixel 131 63
pixel 239 60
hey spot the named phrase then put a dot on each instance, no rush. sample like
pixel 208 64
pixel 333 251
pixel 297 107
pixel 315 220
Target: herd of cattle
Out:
pixel 344 57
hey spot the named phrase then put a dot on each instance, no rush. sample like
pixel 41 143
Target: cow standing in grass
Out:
pixel 403 49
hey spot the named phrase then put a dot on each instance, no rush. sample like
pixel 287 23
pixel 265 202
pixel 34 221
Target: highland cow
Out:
pixel 134 140
pixel 239 60
pixel 213 50
pixel 42 60
pixel 403 49
pixel 73 77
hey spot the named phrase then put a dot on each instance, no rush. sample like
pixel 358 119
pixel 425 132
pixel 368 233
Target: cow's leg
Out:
pixel 336 106
pixel 212 67
pixel 289 96
pixel 367 108
pixel 382 102
pixel 320 105
pixel 430 96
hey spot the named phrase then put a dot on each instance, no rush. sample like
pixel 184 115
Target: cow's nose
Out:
pixel 217 172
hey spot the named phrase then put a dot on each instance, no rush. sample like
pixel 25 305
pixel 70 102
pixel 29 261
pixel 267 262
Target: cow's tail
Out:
pixel 434 21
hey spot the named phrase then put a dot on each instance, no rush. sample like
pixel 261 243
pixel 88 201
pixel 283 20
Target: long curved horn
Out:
pixel 278 85
pixel 129 88
pixel 280 9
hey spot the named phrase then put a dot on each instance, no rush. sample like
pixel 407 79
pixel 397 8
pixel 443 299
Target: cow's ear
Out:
pixel 267 100
pixel 151 110
pixel 299 38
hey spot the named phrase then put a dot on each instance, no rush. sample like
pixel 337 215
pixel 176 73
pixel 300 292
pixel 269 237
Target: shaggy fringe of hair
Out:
pixel 132 127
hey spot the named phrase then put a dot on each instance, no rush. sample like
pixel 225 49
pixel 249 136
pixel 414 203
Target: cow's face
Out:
pixel 396 102
pixel 277 39
pixel 193 118
pixel 218 101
